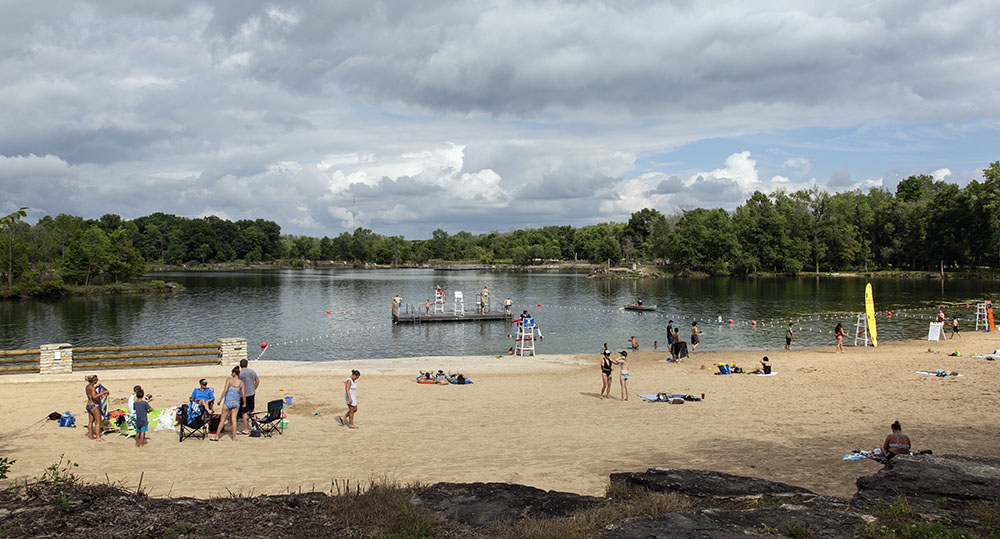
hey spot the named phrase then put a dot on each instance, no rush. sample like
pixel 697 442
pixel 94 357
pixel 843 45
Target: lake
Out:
pixel 289 309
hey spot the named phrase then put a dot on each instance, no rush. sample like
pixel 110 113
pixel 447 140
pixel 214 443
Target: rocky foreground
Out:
pixel 926 496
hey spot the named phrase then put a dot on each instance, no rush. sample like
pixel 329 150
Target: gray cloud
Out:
pixel 324 116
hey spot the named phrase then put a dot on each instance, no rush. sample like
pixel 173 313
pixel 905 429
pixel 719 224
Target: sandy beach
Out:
pixel 536 421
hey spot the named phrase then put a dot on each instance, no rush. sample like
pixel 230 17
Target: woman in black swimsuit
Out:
pixel 606 364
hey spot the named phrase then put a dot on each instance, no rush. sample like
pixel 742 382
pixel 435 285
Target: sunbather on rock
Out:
pixel 896 443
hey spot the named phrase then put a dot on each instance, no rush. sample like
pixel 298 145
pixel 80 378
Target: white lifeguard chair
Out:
pixel 459 304
pixel 438 306
pixel 981 317
pixel 862 327
pixel 525 343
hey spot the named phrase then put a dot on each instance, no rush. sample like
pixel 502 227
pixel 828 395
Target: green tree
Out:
pixel 88 255
pixel 7 222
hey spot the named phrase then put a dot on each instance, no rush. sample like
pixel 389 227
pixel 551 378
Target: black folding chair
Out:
pixel 192 426
pixel 269 422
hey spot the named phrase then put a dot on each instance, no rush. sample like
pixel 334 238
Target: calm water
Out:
pixel 289 310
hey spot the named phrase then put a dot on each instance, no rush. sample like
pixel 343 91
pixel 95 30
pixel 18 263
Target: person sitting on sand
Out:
pixel 765 367
pixel 456 378
pixel 896 443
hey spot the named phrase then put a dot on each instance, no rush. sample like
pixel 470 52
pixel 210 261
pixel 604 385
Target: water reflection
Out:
pixel 289 310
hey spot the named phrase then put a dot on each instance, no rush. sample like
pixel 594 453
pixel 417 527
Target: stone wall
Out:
pixel 232 350
pixel 55 358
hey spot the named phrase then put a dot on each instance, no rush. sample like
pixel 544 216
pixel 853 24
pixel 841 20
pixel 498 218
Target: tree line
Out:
pixel 920 225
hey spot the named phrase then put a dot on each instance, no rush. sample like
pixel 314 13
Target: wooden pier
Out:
pixel 420 318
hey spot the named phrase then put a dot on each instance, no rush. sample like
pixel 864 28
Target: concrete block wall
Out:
pixel 55 358
pixel 232 350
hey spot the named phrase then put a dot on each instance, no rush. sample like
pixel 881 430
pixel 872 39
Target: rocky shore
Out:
pixel 926 496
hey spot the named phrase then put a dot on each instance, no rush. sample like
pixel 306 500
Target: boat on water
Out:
pixel 638 307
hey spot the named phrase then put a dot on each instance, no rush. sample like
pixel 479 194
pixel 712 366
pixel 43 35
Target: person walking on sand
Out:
pixel 94 396
pixel 232 398
pixel 954 329
pixel 351 399
pixel 622 362
pixel 695 341
pixel 789 334
pixel 250 383
pixel 607 365
pixel 839 333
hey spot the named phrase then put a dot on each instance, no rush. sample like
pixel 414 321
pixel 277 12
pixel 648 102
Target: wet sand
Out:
pixel 536 421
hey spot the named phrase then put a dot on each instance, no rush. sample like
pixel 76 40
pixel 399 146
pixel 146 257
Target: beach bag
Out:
pixel 255 430
pixel 67 420
pixel 213 423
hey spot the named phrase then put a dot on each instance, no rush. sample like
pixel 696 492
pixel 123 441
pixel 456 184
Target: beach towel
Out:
pixel 989 357
pixel 939 374
pixel 772 374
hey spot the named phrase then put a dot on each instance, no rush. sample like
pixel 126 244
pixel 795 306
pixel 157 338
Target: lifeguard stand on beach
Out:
pixel 861 329
pixel 981 321
pixel 525 343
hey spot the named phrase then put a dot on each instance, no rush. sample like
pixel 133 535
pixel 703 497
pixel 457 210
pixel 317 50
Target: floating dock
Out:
pixel 420 318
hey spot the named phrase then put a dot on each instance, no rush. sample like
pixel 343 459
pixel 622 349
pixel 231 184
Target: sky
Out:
pixel 405 117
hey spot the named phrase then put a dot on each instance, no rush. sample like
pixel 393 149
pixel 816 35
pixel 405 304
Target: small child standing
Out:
pixel 789 334
pixel 142 409
pixel 622 362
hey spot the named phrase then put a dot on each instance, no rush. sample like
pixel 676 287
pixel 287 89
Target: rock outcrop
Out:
pixel 482 504
pixel 704 483
pixel 933 477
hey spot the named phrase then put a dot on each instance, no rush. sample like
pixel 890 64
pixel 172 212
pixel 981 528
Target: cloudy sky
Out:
pixel 482 115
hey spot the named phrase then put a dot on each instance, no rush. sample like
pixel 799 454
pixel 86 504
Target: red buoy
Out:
pixel 263 345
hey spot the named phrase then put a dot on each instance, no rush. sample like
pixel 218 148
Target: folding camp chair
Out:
pixel 270 421
pixel 194 425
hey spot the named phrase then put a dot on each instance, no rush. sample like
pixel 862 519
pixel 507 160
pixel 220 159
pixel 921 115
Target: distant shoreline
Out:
pixel 643 271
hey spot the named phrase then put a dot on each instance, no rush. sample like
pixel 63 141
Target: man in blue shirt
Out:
pixel 203 395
